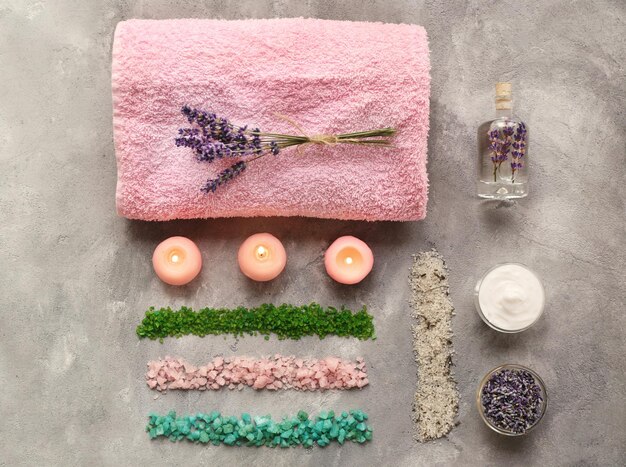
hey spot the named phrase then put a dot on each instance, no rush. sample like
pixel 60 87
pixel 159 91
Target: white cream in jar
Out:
pixel 510 297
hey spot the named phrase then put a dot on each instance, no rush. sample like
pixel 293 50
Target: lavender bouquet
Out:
pixel 212 137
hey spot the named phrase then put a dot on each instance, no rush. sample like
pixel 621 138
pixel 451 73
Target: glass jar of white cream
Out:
pixel 509 297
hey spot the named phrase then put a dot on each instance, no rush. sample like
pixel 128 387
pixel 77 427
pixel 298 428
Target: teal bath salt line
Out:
pixel 286 321
pixel 300 430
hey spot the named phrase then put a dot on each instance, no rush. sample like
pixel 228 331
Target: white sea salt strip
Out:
pixel 437 399
pixel 276 372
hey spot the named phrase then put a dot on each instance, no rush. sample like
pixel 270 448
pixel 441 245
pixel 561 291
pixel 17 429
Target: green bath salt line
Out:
pixel 285 321
pixel 299 430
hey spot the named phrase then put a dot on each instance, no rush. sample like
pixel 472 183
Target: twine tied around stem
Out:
pixel 323 139
pixel 315 139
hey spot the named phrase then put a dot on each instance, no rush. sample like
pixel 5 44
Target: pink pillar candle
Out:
pixel 262 257
pixel 348 260
pixel 177 260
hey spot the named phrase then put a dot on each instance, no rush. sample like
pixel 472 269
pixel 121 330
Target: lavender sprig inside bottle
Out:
pixel 212 137
pixel 519 149
pixel 500 143
pixel 512 400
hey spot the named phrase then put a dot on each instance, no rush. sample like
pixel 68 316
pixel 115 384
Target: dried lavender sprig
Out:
pixel 500 143
pixel 224 176
pixel 519 149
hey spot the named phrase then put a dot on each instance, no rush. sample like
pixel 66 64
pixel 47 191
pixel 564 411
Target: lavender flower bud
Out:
pixel 224 176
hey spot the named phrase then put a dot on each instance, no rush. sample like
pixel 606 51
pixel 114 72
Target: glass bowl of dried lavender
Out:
pixel 512 399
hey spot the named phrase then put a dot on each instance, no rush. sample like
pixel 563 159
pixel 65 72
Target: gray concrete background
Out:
pixel 75 279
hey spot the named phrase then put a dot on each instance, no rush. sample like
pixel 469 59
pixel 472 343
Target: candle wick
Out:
pixel 348 260
pixel 261 252
pixel 175 259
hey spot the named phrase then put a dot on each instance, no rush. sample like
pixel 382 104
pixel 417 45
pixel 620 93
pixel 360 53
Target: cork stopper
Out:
pixel 503 96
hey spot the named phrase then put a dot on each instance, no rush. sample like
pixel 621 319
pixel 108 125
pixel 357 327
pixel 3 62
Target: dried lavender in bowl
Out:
pixel 437 399
pixel 512 400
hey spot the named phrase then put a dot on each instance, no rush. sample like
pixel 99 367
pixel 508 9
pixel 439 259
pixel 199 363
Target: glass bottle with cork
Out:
pixel 503 152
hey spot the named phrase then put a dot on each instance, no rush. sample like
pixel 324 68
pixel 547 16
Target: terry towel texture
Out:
pixel 328 76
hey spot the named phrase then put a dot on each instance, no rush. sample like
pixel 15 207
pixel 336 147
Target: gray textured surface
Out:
pixel 75 278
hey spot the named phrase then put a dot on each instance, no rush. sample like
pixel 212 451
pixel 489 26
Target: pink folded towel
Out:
pixel 328 76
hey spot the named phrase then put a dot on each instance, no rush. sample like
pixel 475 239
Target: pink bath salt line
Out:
pixel 272 373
